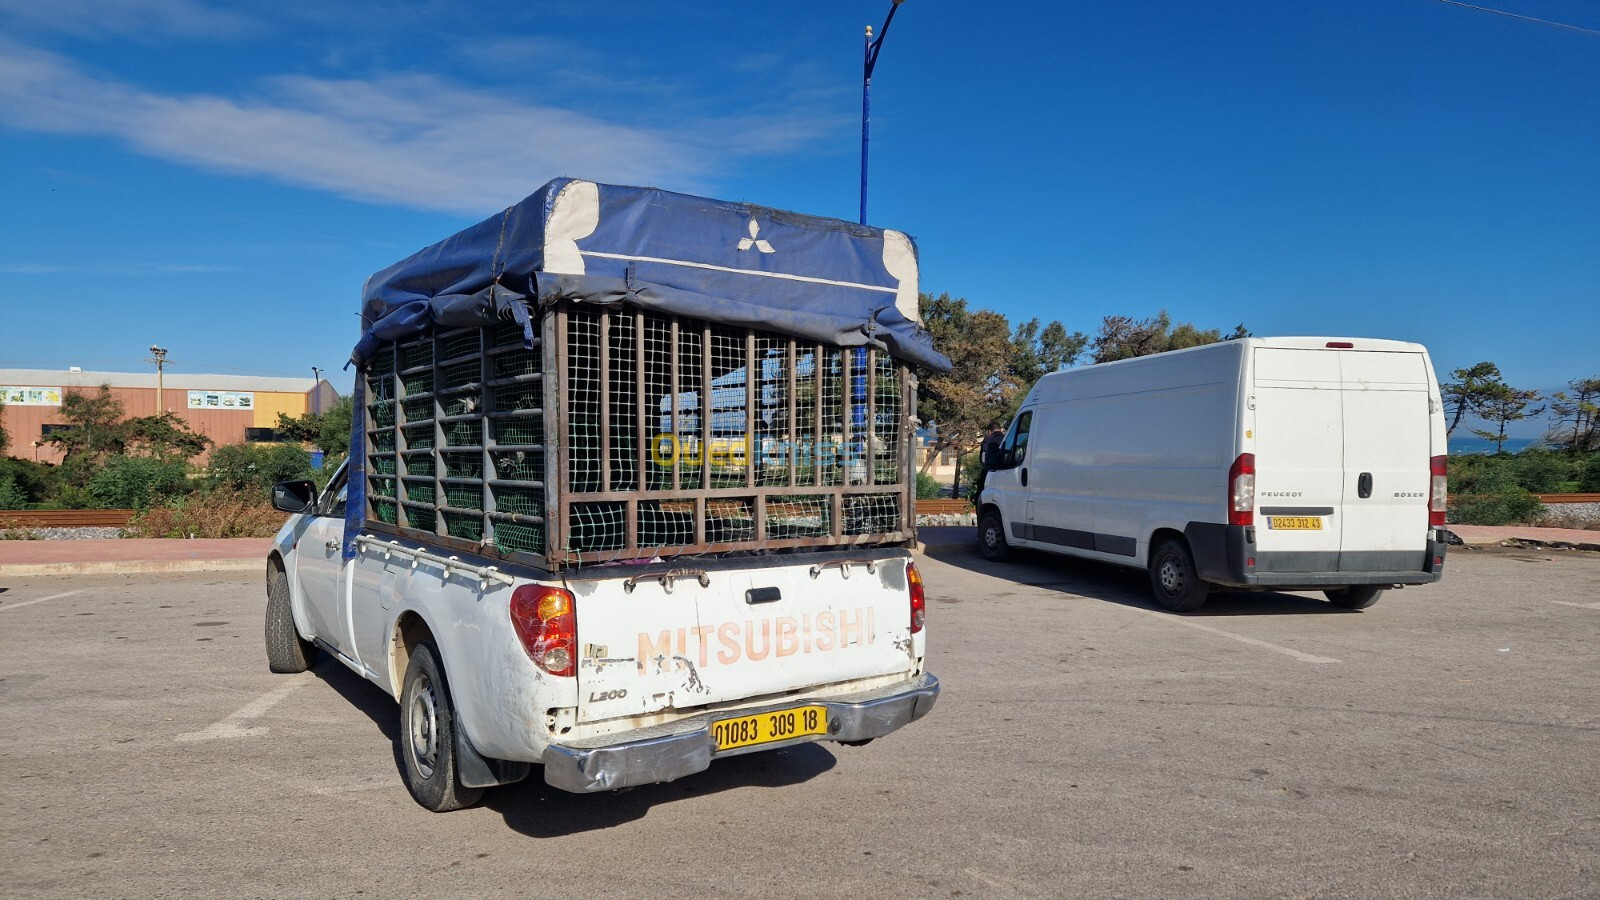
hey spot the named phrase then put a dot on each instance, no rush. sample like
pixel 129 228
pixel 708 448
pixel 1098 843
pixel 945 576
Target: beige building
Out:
pixel 228 409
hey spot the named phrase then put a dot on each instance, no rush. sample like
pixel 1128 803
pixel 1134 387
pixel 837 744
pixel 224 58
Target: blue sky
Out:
pixel 220 178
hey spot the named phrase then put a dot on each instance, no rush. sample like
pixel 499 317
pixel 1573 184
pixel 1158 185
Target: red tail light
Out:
pixel 547 625
pixel 1242 490
pixel 919 599
pixel 1437 490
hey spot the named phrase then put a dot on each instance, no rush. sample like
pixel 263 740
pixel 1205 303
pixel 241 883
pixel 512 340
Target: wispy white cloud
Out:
pixel 412 140
pixel 129 18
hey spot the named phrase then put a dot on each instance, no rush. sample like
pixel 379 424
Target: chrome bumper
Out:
pixel 689 748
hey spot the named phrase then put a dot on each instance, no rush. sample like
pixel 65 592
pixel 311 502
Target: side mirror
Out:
pixel 294 496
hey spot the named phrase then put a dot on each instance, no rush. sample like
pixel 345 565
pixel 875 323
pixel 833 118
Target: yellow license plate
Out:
pixel 764 728
pixel 1295 523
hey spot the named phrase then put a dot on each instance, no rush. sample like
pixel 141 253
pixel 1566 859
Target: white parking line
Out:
pixel 1286 651
pixel 1578 605
pixel 233 726
pixel 41 599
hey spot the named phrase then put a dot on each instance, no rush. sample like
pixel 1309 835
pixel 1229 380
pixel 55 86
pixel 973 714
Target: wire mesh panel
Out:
pixel 685 436
pixel 456 439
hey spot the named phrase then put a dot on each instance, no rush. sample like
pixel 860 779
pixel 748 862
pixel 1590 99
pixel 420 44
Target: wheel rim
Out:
pixel 991 537
pixel 424 727
pixel 1171 575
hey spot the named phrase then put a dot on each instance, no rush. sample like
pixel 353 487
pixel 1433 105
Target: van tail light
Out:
pixel 1439 486
pixel 546 623
pixel 1242 490
pixel 919 598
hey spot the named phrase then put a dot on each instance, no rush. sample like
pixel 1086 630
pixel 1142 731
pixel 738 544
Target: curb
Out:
pixel 132 567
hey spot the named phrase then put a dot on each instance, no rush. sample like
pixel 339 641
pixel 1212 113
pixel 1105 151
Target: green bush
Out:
pixel 1540 471
pixel 1589 480
pixel 257 467
pixel 136 482
pixel 1496 499
pixel 32 483
pixel 929 488
pixel 11 495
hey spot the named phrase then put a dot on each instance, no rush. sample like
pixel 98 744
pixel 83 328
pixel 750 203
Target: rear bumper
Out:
pixel 1227 555
pixel 646 757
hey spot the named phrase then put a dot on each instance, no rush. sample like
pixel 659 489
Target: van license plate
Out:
pixel 1295 523
pixel 764 728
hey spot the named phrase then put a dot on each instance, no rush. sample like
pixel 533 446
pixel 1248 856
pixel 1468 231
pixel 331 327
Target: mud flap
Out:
pixel 477 771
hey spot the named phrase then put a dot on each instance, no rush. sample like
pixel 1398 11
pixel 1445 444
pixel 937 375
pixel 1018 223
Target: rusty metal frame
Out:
pixel 756 494
pixel 759 497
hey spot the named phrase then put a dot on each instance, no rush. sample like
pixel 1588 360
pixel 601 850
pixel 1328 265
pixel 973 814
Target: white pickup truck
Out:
pixel 546 552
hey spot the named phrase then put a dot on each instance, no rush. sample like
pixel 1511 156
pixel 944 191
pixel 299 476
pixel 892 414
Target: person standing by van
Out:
pixel 991 446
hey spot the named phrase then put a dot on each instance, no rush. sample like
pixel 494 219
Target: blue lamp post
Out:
pixel 871 60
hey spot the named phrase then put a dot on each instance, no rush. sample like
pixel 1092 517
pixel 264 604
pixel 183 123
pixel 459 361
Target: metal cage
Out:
pixel 627 435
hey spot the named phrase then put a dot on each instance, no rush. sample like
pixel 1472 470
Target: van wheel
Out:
pixel 1173 578
pixel 287 651
pixel 428 736
pixel 992 537
pixel 1358 596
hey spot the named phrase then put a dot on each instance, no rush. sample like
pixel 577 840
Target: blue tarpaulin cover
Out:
pixel 738 264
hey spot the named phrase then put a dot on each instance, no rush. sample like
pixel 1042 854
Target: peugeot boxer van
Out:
pixel 1262 463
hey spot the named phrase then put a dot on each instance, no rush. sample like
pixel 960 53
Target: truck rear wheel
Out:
pixel 992 537
pixel 428 735
pixel 287 651
pixel 1173 578
pixel 1358 596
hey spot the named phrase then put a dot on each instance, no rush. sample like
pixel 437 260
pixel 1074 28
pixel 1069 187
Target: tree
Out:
pixel 980 385
pixel 1504 405
pixel 1472 388
pixel 97 432
pixel 94 430
pixel 5 439
pixel 328 431
pixel 1577 415
pixel 1037 352
pixel 1124 337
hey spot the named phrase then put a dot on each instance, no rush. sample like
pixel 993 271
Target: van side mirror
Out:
pixel 294 496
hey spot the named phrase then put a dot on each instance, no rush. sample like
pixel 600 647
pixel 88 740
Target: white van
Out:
pixel 1263 463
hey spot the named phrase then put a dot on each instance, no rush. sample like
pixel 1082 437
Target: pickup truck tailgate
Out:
pixel 648 644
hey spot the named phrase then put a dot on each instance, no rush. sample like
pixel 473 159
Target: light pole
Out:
pixel 871 60
pixel 316 390
pixel 158 355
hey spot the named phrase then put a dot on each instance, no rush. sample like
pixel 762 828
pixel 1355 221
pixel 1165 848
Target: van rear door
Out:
pixel 1300 455
pixel 1386 451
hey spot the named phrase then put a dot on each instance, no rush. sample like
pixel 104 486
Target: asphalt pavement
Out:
pixel 1443 743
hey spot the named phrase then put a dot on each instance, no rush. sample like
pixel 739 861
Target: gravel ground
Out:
pixel 1571 515
pixel 60 534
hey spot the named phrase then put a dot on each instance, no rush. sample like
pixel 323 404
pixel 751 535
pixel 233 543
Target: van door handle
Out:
pixel 1024 476
pixel 1364 485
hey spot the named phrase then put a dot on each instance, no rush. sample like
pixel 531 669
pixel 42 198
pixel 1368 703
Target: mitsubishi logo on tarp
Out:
pixel 754 240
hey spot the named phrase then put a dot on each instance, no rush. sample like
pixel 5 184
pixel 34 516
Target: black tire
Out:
pixel 992 537
pixel 428 736
pixel 1174 579
pixel 1359 596
pixel 287 651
